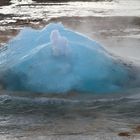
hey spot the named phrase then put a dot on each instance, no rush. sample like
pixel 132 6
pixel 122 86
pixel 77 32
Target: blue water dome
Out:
pixel 58 60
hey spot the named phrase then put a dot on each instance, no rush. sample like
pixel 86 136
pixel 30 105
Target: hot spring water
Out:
pixel 58 60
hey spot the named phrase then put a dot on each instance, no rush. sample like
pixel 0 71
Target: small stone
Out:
pixel 124 134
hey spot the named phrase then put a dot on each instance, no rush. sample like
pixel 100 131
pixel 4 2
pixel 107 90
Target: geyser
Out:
pixel 58 60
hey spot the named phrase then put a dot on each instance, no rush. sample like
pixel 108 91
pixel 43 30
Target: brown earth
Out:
pixel 4 2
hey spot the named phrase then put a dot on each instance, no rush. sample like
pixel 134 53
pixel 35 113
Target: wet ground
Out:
pixel 116 25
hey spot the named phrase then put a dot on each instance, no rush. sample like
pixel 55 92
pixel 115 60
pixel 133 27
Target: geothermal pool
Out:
pixel 29 115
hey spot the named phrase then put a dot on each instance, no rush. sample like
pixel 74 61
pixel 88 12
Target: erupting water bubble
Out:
pixel 58 60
